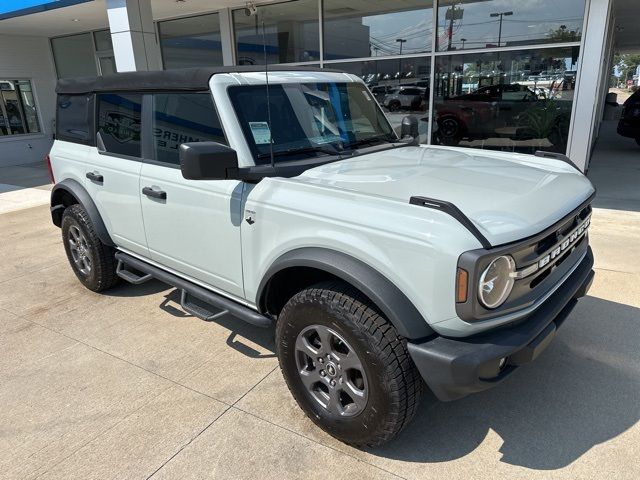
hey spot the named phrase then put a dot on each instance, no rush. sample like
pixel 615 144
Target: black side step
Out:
pixel 188 288
pixel 198 310
pixel 129 276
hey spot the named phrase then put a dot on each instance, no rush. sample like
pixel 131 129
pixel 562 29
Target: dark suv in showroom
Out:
pixel 629 124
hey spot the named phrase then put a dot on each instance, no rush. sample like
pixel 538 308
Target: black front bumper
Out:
pixel 456 367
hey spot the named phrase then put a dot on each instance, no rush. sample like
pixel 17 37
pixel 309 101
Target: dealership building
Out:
pixel 514 75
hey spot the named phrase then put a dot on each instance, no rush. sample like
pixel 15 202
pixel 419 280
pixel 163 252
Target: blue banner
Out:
pixel 16 8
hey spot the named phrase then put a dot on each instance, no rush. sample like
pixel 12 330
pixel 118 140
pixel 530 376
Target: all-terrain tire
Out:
pixel 393 382
pixel 92 261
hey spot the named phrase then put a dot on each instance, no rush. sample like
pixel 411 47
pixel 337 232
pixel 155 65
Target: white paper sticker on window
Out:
pixel 261 133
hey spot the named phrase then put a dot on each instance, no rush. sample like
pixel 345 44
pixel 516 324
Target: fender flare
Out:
pixel 79 193
pixel 389 299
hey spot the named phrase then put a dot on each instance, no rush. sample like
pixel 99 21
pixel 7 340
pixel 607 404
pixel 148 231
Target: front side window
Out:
pixel 308 119
pixel 181 118
pixel 18 115
pixel 119 123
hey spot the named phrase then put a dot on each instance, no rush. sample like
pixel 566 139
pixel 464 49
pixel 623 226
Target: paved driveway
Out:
pixel 126 385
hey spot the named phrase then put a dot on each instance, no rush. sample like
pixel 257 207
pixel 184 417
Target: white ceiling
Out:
pixel 627 20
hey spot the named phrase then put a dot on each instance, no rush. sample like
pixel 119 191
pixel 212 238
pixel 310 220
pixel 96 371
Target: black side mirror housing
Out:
pixel 208 161
pixel 409 128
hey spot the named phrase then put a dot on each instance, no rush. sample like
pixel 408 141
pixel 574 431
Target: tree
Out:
pixel 627 64
pixel 562 34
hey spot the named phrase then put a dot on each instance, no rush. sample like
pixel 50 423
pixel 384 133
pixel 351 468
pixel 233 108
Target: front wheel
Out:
pixel 346 366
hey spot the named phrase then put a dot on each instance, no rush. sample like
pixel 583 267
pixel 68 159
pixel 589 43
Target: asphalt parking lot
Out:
pixel 126 385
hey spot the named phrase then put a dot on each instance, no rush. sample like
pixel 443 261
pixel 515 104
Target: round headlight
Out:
pixel 496 282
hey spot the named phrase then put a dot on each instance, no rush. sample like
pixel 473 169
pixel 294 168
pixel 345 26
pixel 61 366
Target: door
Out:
pixel 192 227
pixel 113 169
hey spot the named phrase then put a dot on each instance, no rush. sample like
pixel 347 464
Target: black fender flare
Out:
pixel 386 296
pixel 71 187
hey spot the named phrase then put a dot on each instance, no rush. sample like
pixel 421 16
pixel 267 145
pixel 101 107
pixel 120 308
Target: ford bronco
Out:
pixel 286 200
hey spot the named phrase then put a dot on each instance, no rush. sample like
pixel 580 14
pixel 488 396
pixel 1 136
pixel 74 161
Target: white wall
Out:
pixel 23 57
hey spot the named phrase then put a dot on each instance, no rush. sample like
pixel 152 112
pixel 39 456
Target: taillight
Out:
pixel 47 161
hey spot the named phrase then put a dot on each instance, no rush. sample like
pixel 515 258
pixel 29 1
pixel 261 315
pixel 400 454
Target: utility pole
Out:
pixel 400 41
pixel 500 14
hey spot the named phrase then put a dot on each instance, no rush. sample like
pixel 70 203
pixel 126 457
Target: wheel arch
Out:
pixel 69 192
pixel 303 267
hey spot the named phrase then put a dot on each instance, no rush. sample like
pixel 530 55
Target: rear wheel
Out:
pixel 346 366
pixel 449 131
pixel 92 261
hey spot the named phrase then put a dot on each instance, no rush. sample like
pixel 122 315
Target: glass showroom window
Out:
pixel 291 33
pixel 74 56
pixel 376 29
pixel 18 115
pixel 401 87
pixel 465 24
pixel 511 100
pixel 191 42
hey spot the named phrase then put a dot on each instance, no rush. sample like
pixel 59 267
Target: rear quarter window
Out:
pixel 74 119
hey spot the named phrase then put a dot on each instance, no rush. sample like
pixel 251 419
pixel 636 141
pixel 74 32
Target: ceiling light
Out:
pixel 75 20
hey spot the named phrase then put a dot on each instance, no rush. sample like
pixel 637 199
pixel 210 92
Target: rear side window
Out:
pixel 181 118
pixel 74 118
pixel 119 123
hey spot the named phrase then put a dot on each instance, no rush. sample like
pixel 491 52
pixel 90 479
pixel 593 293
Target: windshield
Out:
pixel 309 119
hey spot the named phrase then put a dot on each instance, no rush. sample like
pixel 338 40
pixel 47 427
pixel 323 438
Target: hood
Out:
pixel 507 196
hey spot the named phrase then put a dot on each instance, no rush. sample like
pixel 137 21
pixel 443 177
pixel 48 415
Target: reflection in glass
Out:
pixel 376 29
pixel 465 24
pixel 401 87
pixel 180 118
pixel 516 100
pixel 17 108
pixel 103 40
pixel 291 33
pixel 191 42
pixel 74 56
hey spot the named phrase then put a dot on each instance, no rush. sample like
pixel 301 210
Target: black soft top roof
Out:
pixel 179 79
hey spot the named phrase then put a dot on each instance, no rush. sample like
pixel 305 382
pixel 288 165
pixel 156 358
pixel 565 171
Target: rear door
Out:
pixel 113 168
pixel 192 226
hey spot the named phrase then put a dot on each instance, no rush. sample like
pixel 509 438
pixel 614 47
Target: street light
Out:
pixel 501 14
pixel 400 41
pixel 463 40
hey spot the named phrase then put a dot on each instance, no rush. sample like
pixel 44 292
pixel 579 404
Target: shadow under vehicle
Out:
pixel 629 124
pixel 510 111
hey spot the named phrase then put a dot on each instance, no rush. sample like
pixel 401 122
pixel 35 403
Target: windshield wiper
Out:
pixel 369 141
pixel 303 150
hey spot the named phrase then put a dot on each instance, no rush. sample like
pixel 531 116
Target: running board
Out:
pixel 129 276
pixel 189 288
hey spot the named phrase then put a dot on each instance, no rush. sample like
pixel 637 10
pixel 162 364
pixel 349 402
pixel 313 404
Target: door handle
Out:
pixel 95 176
pixel 150 192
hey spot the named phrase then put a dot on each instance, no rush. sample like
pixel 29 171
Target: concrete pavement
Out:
pixel 126 385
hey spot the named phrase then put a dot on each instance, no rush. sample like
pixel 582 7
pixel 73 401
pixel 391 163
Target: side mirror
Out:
pixel 409 127
pixel 208 161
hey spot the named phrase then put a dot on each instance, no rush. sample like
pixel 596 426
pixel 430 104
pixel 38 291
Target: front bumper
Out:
pixel 454 368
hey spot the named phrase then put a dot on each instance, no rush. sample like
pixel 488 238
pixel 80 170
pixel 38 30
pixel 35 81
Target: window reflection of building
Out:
pixel 18 114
